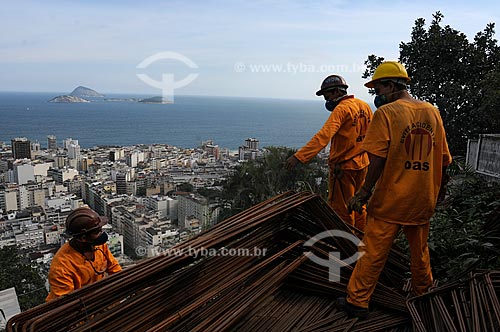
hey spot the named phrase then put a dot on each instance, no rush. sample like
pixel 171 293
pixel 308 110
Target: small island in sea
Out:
pixel 83 94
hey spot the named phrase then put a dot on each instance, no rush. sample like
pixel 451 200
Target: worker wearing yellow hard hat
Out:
pixel 389 70
pixel 408 151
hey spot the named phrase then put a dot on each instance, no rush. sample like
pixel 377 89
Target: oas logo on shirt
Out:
pixel 418 145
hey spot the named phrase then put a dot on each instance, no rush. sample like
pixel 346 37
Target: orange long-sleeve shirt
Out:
pixel 345 130
pixel 70 269
pixel 412 138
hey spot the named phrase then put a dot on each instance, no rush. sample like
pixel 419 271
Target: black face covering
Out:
pixel 330 105
pixel 380 100
pixel 101 239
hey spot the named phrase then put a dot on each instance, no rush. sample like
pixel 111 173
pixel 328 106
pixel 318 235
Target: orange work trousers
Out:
pixel 341 188
pixel 378 239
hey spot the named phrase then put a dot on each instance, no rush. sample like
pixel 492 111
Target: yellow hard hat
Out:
pixel 388 70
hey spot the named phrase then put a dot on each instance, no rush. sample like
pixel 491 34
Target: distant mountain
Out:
pixel 68 99
pixel 84 92
pixel 156 100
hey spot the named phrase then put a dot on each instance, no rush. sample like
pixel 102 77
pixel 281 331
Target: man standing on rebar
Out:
pixel 406 143
pixel 344 130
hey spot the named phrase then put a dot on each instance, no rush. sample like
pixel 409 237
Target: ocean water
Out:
pixel 227 121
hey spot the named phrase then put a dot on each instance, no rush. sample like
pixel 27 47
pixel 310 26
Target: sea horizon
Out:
pixel 227 121
pixel 147 95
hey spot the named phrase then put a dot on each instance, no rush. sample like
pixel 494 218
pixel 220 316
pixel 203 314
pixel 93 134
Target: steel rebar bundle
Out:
pixel 282 290
pixel 464 306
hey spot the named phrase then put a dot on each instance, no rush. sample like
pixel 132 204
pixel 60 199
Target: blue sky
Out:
pixel 277 49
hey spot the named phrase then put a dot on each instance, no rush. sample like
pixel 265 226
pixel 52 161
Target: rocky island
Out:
pixel 68 99
pixel 84 92
pixel 80 94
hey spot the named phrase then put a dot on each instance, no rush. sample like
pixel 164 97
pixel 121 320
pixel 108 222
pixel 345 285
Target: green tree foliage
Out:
pixel 255 181
pixel 460 77
pixel 212 194
pixel 186 187
pixel 458 240
pixel 17 272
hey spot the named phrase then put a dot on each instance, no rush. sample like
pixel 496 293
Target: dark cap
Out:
pixel 331 82
pixel 83 220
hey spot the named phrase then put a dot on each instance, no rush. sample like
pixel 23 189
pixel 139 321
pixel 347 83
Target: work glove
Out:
pixel 291 163
pixel 442 194
pixel 442 188
pixel 357 201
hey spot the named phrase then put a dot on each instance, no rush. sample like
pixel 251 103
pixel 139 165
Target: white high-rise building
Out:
pixel 8 199
pixel 41 169
pixel 24 173
pixel 166 206
pixel 24 198
pixel 35 149
pixel 74 151
pixel 134 158
pixel 252 143
pixel 191 206
pixel 68 141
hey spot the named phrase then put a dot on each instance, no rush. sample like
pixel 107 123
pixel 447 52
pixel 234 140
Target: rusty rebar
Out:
pixel 281 291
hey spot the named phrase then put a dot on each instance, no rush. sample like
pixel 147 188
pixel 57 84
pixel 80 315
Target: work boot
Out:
pixel 351 309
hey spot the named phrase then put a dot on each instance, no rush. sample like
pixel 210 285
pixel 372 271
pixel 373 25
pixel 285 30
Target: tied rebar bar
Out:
pixel 470 305
pixel 282 290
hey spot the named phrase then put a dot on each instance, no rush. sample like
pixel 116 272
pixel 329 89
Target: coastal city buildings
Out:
pixel 136 187
pixel 249 151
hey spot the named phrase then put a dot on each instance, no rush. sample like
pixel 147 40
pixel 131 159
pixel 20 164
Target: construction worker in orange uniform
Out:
pixel 406 143
pixel 85 258
pixel 344 130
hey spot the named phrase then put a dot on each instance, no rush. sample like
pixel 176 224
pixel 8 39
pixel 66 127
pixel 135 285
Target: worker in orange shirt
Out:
pixel 85 258
pixel 406 143
pixel 344 130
